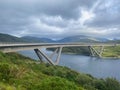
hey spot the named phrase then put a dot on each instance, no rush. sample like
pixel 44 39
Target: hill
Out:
pixel 83 38
pixel 28 39
pixel 10 38
pixel 36 39
pixel 22 73
pixel 31 39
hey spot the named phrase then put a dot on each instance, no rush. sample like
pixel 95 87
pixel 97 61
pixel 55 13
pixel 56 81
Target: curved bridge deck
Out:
pixel 29 46
pixel 14 47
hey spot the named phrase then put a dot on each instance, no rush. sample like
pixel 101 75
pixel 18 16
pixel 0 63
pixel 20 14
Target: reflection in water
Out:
pixel 100 68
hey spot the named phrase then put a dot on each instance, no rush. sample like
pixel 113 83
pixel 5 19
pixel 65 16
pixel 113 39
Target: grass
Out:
pixel 110 51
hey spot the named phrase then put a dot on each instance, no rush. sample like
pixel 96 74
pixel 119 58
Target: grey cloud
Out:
pixel 56 18
pixel 63 8
pixel 106 15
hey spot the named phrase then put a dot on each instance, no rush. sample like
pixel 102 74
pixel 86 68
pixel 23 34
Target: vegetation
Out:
pixel 75 50
pixel 113 51
pixel 109 51
pixel 22 73
pixel 8 38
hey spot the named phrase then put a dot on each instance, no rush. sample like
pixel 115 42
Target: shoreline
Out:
pixel 103 57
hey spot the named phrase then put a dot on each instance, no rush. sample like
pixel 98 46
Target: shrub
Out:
pixel 56 83
pixel 112 84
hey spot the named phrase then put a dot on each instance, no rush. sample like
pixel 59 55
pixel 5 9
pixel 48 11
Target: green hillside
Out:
pixel 74 50
pixel 9 38
pixel 28 39
pixel 113 51
pixel 22 73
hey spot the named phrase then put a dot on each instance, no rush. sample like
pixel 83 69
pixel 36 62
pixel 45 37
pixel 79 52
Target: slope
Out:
pixel 22 73
pixel 10 38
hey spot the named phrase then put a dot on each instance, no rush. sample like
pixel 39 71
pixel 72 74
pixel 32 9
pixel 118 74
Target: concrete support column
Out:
pixel 38 54
pixel 45 56
pixel 51 56
pixel 59 54
pixel 101 50
pixel 91 51
pixel 58 51
pixel 94 52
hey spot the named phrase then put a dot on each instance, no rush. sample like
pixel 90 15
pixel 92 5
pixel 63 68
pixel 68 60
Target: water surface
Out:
pixel 100 68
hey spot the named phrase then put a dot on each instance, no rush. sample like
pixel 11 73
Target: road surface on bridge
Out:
pixel 13 47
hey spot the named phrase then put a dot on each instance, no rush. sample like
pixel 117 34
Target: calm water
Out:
pixel 100 68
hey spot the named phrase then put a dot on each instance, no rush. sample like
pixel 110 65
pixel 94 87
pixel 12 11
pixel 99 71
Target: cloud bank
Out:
pixel 60 18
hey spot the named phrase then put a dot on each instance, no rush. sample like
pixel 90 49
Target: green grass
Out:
pixel 112 51
pixel 75 50
pixel 22 73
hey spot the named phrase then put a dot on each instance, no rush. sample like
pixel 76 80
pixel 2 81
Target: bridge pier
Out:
pixel 40 54
pixel 56 50
pixel 45 56
pixel 95 52
pixel 59 54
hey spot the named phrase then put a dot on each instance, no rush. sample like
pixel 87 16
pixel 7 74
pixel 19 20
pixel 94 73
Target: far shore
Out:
pixel 104 57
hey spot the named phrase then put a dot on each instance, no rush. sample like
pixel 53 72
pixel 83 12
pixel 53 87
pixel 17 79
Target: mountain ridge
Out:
pixel 35 39
pixel 83 38
pixel 10 38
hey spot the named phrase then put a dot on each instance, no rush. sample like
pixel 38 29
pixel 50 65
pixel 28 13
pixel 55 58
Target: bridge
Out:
pixel 14 47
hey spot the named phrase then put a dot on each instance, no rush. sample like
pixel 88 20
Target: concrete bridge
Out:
pixel 14 47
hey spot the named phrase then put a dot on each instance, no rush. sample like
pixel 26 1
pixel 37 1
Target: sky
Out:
pixel 60 18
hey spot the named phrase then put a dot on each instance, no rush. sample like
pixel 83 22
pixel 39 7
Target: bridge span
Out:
pixel 14 47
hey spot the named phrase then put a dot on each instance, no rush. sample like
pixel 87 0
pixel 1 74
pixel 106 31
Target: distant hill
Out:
pixel 31 39
pixel 79 38
pixel 115 40
pixel 28 39
pixel 10 38
pixel 82 38
pixel 36 39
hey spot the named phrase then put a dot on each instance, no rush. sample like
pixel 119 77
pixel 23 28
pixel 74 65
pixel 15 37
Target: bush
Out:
pixel 6 87
pixel 56 83
pixel 8 72
pixel 4 72
pixel 112 84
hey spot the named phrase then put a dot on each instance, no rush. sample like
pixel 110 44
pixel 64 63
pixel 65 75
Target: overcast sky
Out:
pixel 60 18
